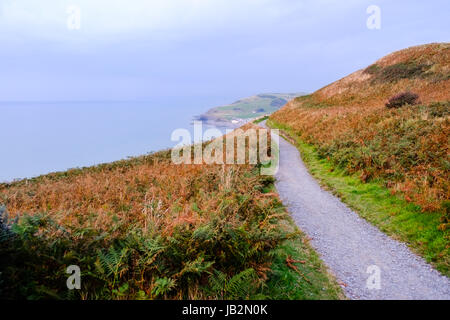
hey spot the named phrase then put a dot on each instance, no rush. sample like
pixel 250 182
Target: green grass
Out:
pixel 246 110
pixel 251 107
pixel 392 214
pixel 312 280
pixel 260 120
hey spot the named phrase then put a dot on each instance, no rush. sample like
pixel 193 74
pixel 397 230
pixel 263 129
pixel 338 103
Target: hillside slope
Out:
pixel 424 70
pixel 405 148
pixel 146 228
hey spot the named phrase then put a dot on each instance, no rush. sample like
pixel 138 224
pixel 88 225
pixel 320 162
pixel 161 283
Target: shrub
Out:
pixel 399 71
pixel 406 147
pixel 404 71
pixel 142 228
pixel 372 69
pixel 225 256
pixel 402 99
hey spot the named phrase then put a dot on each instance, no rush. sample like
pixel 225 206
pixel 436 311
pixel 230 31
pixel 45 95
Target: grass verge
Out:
pixel 392 214
pixel 297 272
pixel 260 120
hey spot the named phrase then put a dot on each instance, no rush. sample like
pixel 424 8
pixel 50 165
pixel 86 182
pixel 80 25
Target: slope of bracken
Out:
pixel 130 191
pixel 406 148
pixel 145 228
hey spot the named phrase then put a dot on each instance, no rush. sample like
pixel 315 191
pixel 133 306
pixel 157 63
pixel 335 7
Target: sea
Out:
pixel 42 137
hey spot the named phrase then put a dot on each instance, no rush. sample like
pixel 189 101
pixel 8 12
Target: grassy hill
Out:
pixel 248 108
pixel 381 128
pixel 145 228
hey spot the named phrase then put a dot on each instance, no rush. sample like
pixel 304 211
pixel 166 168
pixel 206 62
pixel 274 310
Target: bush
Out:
pixel 399 71
pixel 193 232
pixel 402 99
pixel 221 259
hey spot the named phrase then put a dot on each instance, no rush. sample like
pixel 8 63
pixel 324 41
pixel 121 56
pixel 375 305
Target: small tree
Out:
pixel 402 99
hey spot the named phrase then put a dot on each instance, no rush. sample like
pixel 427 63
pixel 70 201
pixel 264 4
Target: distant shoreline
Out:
pixel 220 123
pixel 246 109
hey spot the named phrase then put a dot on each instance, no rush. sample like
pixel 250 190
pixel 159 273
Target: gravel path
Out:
pixel 349 245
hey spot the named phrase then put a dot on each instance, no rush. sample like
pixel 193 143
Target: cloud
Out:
pixel 48 18
pixel 105 19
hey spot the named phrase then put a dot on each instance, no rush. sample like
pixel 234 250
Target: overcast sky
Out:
pixel 223 49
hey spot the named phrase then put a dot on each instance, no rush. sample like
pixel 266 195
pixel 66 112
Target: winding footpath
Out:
pixel 353 249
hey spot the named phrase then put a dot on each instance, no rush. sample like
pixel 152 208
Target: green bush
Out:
pixel 214 260
pixel 399 71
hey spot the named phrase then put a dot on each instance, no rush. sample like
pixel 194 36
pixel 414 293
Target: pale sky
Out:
pixel 222 49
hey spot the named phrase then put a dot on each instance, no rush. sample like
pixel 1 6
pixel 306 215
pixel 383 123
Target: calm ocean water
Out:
pixel 38 138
